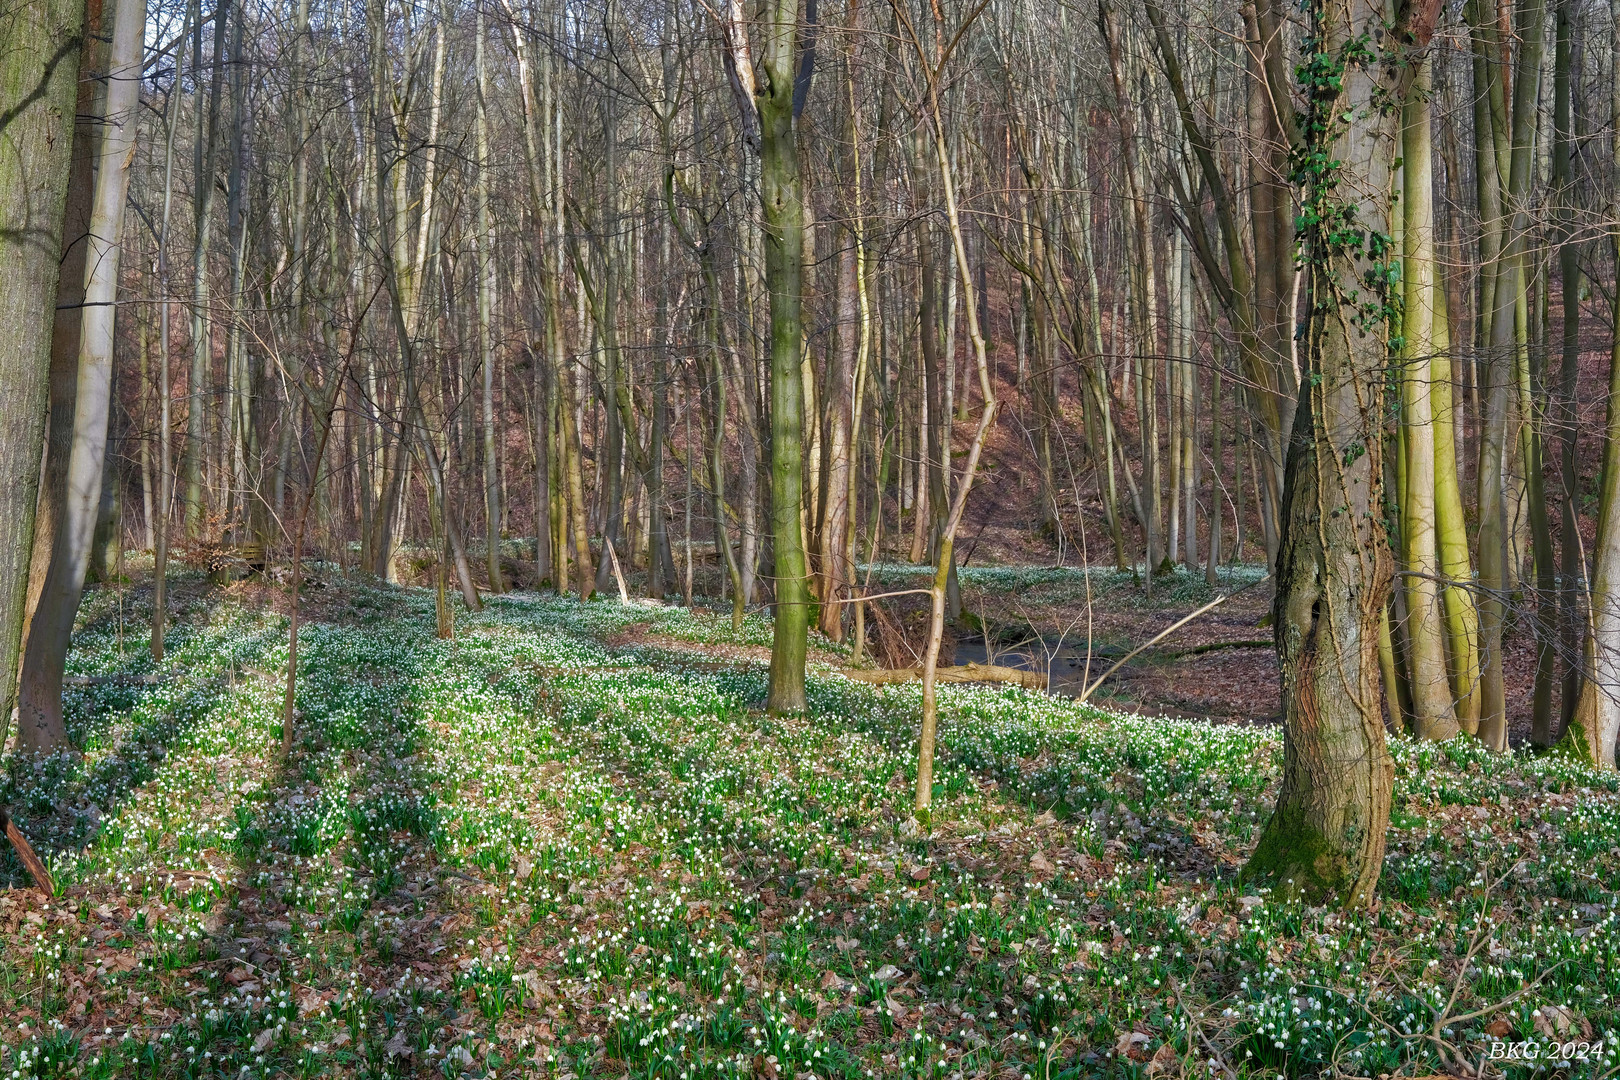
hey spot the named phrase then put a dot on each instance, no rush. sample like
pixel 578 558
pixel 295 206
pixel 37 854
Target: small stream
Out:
pixel 1064 662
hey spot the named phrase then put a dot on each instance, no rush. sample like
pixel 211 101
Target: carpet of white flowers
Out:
pixel 532 852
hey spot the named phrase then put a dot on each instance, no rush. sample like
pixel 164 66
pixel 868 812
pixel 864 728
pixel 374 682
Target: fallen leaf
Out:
pixel 1165 1060
pixel 536 984
pixel 1131 1044
pixel 1555 1021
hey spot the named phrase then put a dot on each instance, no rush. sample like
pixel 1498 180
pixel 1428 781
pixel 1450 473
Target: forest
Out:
pixel 808 539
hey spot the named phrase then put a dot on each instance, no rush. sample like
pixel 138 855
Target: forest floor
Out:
pixel 1074 622
pixel 569 843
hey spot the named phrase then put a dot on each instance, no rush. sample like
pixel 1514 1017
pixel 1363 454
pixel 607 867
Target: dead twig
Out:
pixel 1197 1029
pixel 1166 632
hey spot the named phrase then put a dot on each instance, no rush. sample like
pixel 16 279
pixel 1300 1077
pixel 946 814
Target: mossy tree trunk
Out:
pixel 1433 716
pixel 769 108
pixel 1451 538
pixel 1325 840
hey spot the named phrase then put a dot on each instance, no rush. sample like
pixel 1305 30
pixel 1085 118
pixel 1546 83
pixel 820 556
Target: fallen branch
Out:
pixel 108 680
pixel 1215 646
pixel 618 574
pixel 967 673
pixel 1166 632
pixel 25 852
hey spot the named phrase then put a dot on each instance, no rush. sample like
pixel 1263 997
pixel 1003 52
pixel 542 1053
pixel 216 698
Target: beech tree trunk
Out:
pixel 69 323
pixel 1432 714
pixel 769 113
pixel 41 42
pixel 40 726
pixel 486 349
pixel 836 572
pixel 1596 724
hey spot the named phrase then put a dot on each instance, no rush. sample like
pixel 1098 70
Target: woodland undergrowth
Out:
pixel 532 852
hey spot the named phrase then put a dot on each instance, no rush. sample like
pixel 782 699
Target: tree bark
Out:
pixel 205 160
pixel 486 345
pixel 1432 714
pixel 782 203
pixel 40 726
pixel 1451 536
pixel 1563 409
pixel 41 42
pixel 836 572
pixel 1596 724
pixel 1325 840
pixel 68 326
pixel 1503 361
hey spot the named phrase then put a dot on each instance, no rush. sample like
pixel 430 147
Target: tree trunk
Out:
pixel 1432 714
pixel 1564 406
pixel 1144 298
pixel 836 572
pixel 41 42
pixel 68 326
pixel 205 159
pixel 575 479
pixel 1187 408
pixel 165 492
pixel 1503 361
pixel 945 557
pixel 544 394
pixel 40 727
pixel 1596 723
pixel 1325 840
pixel 782 203
pixel 1451 534
pixel 660 564
pixel 486 345
pixel 1217 466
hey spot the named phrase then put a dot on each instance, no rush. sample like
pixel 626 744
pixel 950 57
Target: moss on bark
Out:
pixel 1297 861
